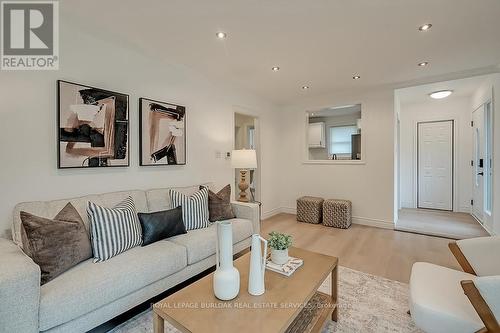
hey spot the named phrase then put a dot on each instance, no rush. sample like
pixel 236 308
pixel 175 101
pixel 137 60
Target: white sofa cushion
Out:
pixel 200 243
pixel 489 288
pixel 437 301
pixel 482 254
pixel 89 285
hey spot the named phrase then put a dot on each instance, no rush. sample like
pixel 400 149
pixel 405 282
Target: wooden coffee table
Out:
pixel 196 309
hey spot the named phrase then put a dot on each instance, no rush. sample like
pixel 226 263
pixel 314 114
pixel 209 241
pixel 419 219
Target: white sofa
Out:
pixel 90 294
pixel 445 300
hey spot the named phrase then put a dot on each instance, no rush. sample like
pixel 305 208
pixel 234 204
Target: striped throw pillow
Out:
pixel 194 208
pixel 114 230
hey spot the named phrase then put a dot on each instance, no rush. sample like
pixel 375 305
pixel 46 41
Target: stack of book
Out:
pixel 287 268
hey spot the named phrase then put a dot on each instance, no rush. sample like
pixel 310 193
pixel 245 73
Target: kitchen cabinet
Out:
pixel 316 135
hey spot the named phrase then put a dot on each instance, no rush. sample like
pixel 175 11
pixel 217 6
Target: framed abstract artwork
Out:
pixel 93 127
pixel 162 133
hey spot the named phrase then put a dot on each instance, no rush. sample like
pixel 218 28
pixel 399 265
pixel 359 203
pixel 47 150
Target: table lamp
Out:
pixel 243 159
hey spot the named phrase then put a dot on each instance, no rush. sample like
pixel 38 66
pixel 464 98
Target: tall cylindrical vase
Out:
pixel 226 276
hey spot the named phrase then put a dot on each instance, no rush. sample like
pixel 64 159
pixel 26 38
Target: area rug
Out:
pixel 367 303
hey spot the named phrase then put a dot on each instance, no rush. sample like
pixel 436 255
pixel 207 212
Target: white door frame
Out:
pixel 248 112
pixel 487 216
pixel 488 96
pixel 454 161
pixel 474 167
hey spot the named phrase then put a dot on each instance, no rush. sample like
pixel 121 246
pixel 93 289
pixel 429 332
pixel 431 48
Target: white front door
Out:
pixel 435 165
pixel 478 164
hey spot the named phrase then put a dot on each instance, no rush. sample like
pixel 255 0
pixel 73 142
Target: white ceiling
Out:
pixel 461 88
pixel 319 43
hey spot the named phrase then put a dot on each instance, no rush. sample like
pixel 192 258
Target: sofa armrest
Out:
pixel 249 211
pixel 482 254
pixel 19 289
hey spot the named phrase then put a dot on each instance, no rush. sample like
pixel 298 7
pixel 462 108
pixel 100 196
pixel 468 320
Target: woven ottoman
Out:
pixel 337 213
pixel 309 209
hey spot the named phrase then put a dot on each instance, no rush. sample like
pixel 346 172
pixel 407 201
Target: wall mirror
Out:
pixel 334 134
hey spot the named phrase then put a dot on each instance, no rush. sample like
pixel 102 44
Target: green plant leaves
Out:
pixel 279 241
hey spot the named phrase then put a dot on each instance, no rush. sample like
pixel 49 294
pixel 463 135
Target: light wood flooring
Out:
pixel 381 252
pixel 440 223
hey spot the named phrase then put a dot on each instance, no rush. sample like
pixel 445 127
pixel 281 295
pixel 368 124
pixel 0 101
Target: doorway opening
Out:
pixel 246 136
pixel 444 159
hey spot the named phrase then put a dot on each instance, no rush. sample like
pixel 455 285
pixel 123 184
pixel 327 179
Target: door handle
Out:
pixel 480 173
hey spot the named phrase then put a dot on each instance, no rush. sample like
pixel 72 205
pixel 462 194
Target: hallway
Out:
pixel 439 223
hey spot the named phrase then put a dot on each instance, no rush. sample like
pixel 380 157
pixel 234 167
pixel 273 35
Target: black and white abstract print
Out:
pixel 93 127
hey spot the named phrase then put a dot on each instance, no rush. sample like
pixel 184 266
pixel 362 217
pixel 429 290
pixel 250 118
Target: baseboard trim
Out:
pixel 373 222
pixel 289 210
pixel 464 209
pixel 355 219
pixel 491 232
pixel 271 213
pixel 407 204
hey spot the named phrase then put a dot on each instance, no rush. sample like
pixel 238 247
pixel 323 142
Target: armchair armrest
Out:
pixel 484 295
pixel 462 260
pixel 248 210
pixel 482 254
pixel 19 290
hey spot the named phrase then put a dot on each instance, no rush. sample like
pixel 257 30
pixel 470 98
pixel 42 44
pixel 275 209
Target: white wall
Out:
pixel 457 109
pixel 369 186
pixel 28 125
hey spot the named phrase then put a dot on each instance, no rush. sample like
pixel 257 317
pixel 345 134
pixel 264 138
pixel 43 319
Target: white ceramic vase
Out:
pixel 226 276
pixel 257 269
pixel 279 257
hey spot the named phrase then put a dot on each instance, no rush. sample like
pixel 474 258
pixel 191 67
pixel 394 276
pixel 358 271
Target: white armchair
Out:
pixel 445 300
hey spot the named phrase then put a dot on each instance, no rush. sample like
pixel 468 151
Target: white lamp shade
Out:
pixel 244 159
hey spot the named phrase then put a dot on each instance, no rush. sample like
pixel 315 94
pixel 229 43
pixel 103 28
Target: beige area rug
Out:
pixel 367 303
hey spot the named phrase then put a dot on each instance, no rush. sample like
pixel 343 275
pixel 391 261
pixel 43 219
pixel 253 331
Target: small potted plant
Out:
pixel 279 244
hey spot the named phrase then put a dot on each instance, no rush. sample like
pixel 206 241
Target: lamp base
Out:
pixel 243 186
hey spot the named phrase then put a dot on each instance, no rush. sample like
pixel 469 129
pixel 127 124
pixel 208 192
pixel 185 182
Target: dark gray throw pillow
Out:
pixel 56 244
pixel 160 225
pixel 219 204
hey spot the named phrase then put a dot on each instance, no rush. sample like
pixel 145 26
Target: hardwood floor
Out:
pixel 381 252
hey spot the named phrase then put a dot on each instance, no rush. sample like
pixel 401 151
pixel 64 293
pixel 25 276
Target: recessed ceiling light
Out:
pixel 221 35
pixel 425 27
pixel 441 94
pixel 356 77
pixel 423 64
pixel 275 68
pixel 305 87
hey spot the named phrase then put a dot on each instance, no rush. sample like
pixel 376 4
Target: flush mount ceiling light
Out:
pixel 441 94
pixel 275 68
pixel 425 27
pixel 221 35
pixel 356 77
pixel 423 64
pixel 305 87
